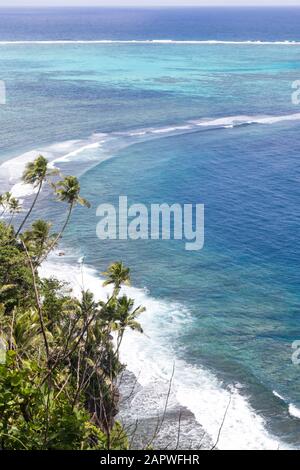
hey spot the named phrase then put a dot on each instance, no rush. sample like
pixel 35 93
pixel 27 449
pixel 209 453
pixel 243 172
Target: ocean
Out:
pixel 176 106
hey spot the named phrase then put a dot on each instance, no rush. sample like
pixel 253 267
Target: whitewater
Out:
pixel 100 146
pixel 150 357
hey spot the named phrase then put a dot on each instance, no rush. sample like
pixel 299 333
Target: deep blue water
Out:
pixel 156 23
pixel 241 291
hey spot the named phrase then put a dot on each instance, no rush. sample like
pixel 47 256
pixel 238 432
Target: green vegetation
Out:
pixel 59 356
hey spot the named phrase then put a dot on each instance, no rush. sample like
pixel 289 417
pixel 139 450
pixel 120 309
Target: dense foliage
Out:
pixel 59 355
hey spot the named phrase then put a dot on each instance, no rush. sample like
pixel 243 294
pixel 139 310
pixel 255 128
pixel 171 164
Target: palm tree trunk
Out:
pixel 38 302
pixel 31 209
pixel 2 213
pixel 60 233
pixel 11 219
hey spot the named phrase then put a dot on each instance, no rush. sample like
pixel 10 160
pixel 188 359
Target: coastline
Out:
pixel 172 426
pixel 196 391
pixel 157 420
pixel 160 105
pixel 151 364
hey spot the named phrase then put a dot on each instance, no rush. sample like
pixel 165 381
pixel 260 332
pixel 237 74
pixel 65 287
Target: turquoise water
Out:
pixel 231 309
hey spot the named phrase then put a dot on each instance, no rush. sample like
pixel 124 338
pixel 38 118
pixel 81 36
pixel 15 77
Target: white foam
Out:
pixel 69 156
pixel 151 358
pixel 169 130
pixel 11 171
pixel 163 131
pixel 138 134
pixel 232 121
pixel 294 411
pixel 223 121
pixel 277 395
pixel 68 151
pixel 20 190
pixel 154 41
pixel 276 119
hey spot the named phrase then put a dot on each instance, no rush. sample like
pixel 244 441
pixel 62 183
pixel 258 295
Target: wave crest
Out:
pixel 100 147
pixel 152 359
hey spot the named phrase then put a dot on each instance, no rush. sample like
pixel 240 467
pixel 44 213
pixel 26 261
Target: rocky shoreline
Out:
pixel 159 421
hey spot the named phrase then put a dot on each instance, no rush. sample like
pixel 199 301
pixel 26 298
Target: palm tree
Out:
pixel 117 274
pixel 21 330
pixel 126 316
pixel 14 207
pixel 38 240
pixel 5 202
pixel 68 190
pixel 35 174
pixel 2 203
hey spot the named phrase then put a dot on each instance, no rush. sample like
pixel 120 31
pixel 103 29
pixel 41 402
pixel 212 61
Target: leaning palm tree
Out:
pixel 35 174
pixel 67 190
